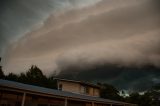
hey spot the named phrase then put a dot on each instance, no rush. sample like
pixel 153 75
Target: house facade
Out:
pixel 78 87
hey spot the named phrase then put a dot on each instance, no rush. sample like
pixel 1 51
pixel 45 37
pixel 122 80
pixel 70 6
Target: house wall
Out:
pixel 79 88
pixel 70 86
pixel 10 99
pixel 91 91
pixel 96 92
pixel 14 98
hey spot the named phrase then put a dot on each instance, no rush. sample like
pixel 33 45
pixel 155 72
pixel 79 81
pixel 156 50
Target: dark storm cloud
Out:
pixel 132 78
pixel 124 32
pixel 18 17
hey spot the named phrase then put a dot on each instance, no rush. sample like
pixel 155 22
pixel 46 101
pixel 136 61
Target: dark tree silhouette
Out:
pixel 1 71
pixel 109 92
pixel 34 73
pixel 12 76
pixel 140 100
pixel 35 76
pixel 154 93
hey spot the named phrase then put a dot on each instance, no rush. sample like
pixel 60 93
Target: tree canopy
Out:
pixel 109 92
pixel 33 76
pixel 1 71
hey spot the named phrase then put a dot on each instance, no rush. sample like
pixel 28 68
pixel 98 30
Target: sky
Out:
pixel 113 41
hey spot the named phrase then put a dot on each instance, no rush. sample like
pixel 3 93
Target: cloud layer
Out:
pixel 19 17
pixel 126 78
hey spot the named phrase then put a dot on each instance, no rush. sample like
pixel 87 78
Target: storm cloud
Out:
pixel 126 78
pixel 19 17
pixel 75 37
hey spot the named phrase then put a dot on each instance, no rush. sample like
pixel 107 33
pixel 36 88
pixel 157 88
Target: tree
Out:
pixel 154 93
pixel 22 78
pixel 109 92
pixel 1 71
pixel 35 76
pixel 133 98
pixel 12 76
pixel 34 72
pixel 140 100
pixel 51 83
pixel 147 100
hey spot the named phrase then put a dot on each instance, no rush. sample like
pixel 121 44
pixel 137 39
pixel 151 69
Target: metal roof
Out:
pixel 32 88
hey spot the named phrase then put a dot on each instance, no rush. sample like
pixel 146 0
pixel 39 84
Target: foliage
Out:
pixel 12 76
pixel 1 71
pixel 154 93
pixel 109 92
pixel 141 100
pixel 33 76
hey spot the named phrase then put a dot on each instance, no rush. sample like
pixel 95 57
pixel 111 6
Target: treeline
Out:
pixel 35 76
pixel 150 97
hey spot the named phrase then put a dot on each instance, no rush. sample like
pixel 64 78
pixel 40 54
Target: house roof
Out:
pixel 36 89
pixel 80 82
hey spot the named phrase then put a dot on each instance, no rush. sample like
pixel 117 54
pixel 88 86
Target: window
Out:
pixel 60 86
pixel 85 89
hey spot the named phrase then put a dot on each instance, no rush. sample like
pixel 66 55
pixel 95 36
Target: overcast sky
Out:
pixel 58 34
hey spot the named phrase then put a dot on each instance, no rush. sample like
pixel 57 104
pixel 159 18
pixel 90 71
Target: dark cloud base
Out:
pixel 129 78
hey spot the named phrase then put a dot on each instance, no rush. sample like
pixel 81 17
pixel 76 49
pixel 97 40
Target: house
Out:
pixel 78 87
pixel 19 94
